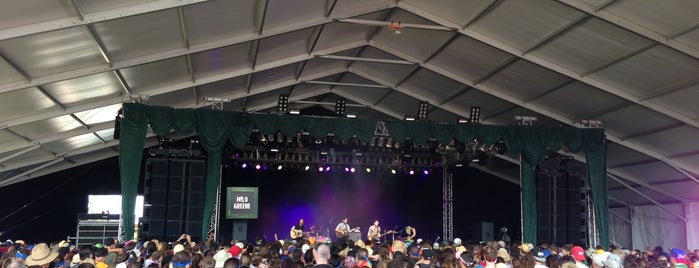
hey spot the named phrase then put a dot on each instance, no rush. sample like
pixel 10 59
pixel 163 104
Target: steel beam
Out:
pixel 620 181
pixel 632 26
pixel 36 81
pixel 179 86
pixel 533 107
pixel 94 17
pixel 552 66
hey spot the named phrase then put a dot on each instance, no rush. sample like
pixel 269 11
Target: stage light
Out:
pixel 340 107
pixel 294 111
pixel 352 170
pixel 347 169
pixel 244 165
pixel 368 170
pixel 351 115
pixel 422 110
pixel 307 167
pixel 409 118
pixel 426 172
pixel 411 172
pixel 320 169
pixel 327 169
pixel 280 167
pixel 475 115
pixel 393 171
pixel 258 166
pixel 462 121
pixel 283 104
pixel 264 167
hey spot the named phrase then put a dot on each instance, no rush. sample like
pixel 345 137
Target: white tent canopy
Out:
pixel 66 66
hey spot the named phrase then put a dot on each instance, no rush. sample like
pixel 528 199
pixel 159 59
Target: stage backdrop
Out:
pixel 215 128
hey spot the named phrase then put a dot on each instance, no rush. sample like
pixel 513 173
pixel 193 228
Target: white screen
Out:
pixel 96 204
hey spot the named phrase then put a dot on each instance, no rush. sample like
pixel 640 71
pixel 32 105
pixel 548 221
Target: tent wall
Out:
pixel 693 225
pixel 650 226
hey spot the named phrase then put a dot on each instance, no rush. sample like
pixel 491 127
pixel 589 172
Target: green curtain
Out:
pixel 132 140
pixel 215 128
pixel 528 195
pixel 597 172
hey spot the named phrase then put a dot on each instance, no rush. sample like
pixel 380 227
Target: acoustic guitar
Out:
pixel 294 233
pixel 341 234
pixel 377 236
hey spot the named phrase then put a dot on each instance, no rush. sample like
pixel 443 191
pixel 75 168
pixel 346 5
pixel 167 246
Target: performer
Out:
pixel 341 231
pixel 410 235
pixel 296 232
pixel 374 232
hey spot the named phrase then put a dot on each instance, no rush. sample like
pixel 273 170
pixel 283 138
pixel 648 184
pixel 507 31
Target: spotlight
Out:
pixel 393 171
pixel 283 104
pixel 307 167
pixel 422 110
pixel 347 169
pixel 340 107
pixel 409 118
pixel 244 165
pixel 294 111
pixel 327 169
pixel 352 170
pixel 320 169
pixel 280 167
pixel 475 115
pixel 462 121
pixel 426 172
pixel 368 170
pixel 264 167
pixel 258 166
pixel 349 115
pixel 411 172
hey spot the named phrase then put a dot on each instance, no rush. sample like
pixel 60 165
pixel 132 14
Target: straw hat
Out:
pixel 41 254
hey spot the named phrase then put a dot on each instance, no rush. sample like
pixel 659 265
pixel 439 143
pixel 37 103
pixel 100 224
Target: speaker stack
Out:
pixel 173 198
pixel 561 194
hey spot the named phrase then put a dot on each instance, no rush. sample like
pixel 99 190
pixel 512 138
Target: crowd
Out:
pixel 185 253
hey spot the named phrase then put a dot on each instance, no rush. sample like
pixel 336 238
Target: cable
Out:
pixel 50 191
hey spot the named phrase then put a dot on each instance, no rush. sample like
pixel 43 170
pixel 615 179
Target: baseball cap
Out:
pixel 578 253
pixel 539 254
pixel 427 253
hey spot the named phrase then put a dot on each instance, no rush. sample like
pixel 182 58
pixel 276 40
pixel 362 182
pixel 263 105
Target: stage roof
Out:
pixel 66 66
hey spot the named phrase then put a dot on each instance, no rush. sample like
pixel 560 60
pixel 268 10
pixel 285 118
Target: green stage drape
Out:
pixel 215 128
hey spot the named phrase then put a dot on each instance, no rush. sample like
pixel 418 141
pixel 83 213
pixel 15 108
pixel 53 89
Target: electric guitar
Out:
pixel 341 234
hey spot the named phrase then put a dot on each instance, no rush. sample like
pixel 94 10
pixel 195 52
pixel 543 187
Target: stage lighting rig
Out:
pixel 525 120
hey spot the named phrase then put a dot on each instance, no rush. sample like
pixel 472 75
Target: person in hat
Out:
pixel 539 258
pixel 678 258
pixel 220 257
pixel 41 256
pixel 425 259
pixel 578 254
pixel 458 247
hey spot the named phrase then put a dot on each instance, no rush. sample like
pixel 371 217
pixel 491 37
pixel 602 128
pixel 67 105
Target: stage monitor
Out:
pixel 111 204
pixel 241 203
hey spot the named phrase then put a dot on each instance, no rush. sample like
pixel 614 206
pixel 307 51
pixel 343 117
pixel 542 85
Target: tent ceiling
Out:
pixel 66 65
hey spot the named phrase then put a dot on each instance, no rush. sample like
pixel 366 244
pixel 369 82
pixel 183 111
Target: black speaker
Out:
pixel 173 197
pixel 561 204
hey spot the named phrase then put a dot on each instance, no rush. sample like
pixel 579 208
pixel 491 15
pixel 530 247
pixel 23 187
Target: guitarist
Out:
pixel 374 232
pixel 297 231
pixel 341 231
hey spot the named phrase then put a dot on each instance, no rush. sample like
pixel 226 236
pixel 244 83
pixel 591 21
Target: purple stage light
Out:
pixel 412 172
pixel 352 170
pixel 244 165
pixel 264 167
pixel 347 169
pixel 320 169
pixel 258 166
pixel 327 169
pixel 426 172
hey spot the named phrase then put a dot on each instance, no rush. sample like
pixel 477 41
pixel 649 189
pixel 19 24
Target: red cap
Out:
pixel 578 253
pixel 235 251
